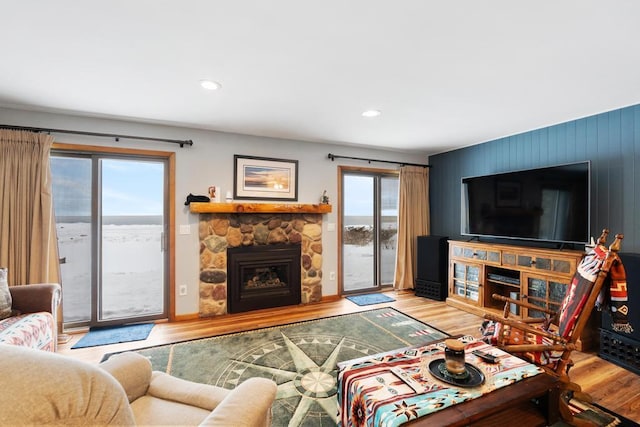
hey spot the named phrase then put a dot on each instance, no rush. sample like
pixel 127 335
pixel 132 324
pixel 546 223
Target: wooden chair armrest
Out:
pixel 532 320
pixel 524 348
pixel 525 327
pixel 523 304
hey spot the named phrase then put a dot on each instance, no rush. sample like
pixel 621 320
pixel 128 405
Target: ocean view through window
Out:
pixel 110 222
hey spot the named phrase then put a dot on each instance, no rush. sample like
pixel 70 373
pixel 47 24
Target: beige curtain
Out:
pixel 28 245
pixel 413 221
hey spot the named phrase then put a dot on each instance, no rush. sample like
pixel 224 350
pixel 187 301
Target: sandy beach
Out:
pixel 132 272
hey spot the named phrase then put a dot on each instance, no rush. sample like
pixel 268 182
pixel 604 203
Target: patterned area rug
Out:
pixel 301 358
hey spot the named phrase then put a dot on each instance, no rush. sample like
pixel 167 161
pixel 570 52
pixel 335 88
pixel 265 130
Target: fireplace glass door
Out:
pixel 263 276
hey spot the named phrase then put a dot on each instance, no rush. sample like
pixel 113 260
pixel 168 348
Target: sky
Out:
pixel 129 187
pixel 358 195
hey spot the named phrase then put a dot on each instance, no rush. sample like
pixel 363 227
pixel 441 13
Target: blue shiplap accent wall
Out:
pixel 611 141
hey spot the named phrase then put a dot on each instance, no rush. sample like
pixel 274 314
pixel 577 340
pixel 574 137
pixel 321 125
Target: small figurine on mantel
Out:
pixel 325 198
pixel 214 193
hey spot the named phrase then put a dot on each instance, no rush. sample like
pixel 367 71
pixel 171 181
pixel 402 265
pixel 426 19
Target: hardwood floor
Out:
pixel 611 386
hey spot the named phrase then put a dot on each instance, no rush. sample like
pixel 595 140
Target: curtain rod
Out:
pixel 106 135
pixel 335 156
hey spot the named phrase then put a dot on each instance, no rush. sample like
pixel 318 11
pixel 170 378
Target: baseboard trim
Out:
pixel 182 317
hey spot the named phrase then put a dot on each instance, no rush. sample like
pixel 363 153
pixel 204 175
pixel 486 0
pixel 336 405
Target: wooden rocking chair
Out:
pixel 548 342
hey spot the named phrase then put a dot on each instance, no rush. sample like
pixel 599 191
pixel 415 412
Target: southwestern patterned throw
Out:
pixel 33 330
pixel 614 296
pixel 369 394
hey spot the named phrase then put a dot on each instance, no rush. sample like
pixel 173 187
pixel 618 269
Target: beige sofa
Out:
pixel 42 388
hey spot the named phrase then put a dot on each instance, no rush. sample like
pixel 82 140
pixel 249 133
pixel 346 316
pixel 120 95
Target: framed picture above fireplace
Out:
pixel 258 178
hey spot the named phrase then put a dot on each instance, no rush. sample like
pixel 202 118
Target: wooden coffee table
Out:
pixel 530 401
pixel 505 406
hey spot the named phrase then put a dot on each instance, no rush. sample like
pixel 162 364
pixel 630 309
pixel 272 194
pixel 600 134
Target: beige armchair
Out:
pixel 43 388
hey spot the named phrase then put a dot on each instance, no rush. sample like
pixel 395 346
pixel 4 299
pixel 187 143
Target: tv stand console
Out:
pixel 539 276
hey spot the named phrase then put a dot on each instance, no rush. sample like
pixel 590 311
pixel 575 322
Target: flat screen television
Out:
pixel 549 204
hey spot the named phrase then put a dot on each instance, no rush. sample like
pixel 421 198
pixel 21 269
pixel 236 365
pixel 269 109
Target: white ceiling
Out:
pixel 444 73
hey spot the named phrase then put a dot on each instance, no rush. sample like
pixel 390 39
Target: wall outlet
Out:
pixel 183 290
pixel 332 275
pixel 185 229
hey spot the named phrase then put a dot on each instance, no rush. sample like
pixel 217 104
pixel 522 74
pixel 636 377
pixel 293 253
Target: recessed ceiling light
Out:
pixel 371 113
pixel 210 84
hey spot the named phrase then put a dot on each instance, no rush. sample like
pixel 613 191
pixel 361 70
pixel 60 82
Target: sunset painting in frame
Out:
pixel 265 178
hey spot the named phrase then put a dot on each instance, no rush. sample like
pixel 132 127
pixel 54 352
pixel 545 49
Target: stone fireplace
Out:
pixel 221 232
pixel 263 276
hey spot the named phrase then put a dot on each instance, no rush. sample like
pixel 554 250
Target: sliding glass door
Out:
pixel 369 218
pixel 132 239
pixel 111 223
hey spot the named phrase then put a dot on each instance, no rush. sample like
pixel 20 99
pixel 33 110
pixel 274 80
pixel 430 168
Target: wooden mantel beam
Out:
pixel 213 207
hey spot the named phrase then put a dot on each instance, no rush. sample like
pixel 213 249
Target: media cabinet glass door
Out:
pixel 543 291
pixel 466 281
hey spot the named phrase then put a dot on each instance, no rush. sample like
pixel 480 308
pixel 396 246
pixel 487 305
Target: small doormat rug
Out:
pixel 370 299
pixel 114 334
pixel 301 358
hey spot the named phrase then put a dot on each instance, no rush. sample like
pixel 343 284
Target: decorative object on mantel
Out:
pixel 259 208
pixel 265 178
pixel 229 197
pixel 325 198
pixel 194 198
pixel 214 193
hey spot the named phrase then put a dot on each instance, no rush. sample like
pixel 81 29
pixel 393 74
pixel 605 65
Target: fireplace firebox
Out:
pixel 263 276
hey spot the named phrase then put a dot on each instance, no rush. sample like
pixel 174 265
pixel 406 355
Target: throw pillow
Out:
pixel 5 295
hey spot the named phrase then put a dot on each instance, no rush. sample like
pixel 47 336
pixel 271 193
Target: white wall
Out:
pixel 210 161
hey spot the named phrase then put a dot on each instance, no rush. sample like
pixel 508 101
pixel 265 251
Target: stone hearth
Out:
pixel 219 231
